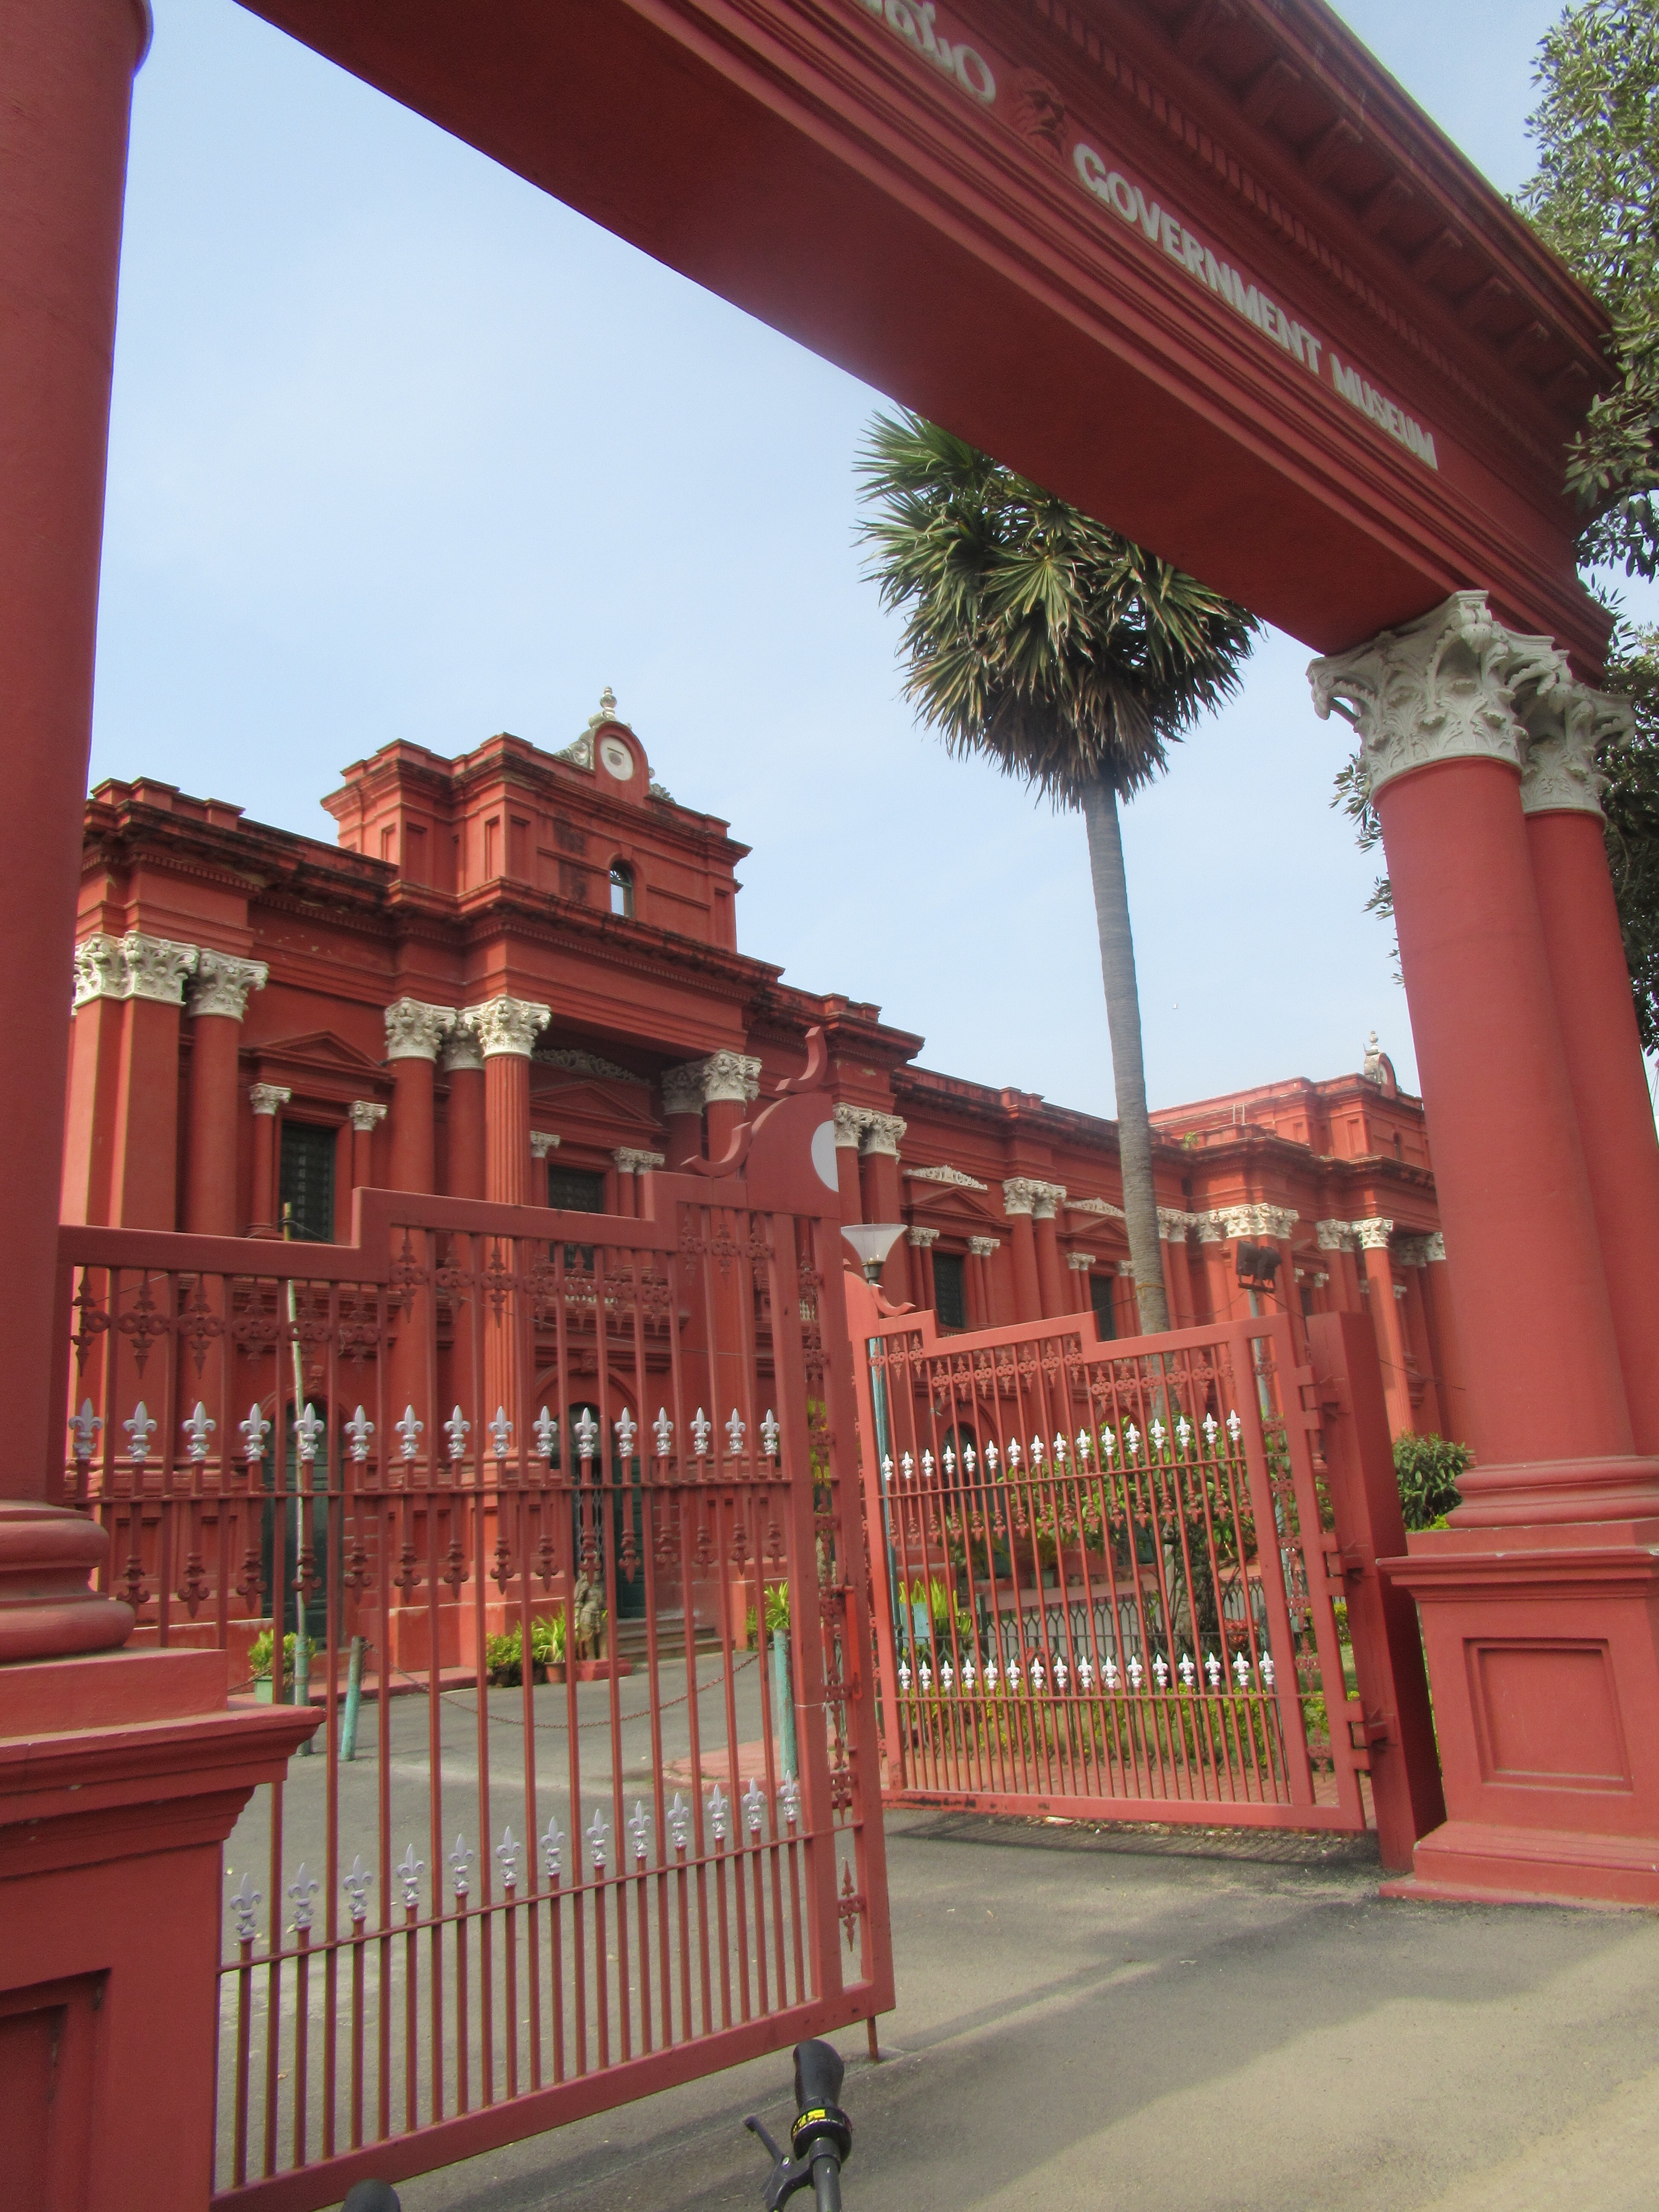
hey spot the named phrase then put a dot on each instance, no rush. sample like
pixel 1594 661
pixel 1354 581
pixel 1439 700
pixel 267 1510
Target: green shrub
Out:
pixel 504 1655
pixel 1427 1469
pixel 777 1608
pixel 259 1651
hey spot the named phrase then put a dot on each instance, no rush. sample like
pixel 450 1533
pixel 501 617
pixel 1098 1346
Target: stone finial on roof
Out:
pixel 607 706
pixel 1372 1071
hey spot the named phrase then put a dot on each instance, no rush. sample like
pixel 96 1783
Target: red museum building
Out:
pixel 516 977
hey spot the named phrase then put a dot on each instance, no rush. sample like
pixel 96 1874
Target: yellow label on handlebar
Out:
pixel 817 2112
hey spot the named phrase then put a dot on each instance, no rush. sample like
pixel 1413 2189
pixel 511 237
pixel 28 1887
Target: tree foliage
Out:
pixel 1428 1470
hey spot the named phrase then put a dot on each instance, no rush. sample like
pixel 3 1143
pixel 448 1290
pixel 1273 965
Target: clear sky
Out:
pixel 402 449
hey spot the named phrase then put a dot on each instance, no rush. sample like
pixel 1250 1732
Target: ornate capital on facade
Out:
pixel 954 1176
pixel 1080 1262
pixel 1334 1236
pixel 1434 1247
pixel 1126 1269
pixel 682 1089
pixel 922 1240
pixel 365 1113
pixel 629 1162
pixel 849 1126
pixel 1274 1221
pixel 266 1097
pixel 462 1050
pixel 882 1134
pixel 1450 686
pixel 1212 1228
pixel 1373 1234
pixel 1027 1194
pixel 223 983
pixel 1173 1224
pixel 730 1079
pixel 982 1247
pixel 133 967
pixel 541 1142
pixel 99 970
pixel 1564 728
pixel 414 1030
pixel 506 1024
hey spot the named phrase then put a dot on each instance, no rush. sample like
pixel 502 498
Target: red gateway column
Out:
pixel 414 1031
pixel 1018 1197
pixel 464 1163
pixel 1541 1603
pixel 217 1002
pixel 1560 799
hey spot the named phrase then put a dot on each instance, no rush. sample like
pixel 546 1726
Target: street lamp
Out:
pixel 873 1241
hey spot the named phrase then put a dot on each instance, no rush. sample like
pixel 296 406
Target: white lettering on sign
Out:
pixel 913 21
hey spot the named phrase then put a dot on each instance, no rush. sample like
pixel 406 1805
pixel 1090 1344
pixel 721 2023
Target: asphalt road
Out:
pixel 1177 2025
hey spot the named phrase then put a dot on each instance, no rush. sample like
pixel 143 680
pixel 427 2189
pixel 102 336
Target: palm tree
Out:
pixel 1071 657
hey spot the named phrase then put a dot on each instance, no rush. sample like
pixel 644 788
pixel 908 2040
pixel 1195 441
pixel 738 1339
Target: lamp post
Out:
pixel 873 1241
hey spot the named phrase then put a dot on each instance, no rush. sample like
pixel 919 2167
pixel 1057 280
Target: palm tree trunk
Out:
pixel 1134 1130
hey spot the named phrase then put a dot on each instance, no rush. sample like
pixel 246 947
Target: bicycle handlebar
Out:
pixel 821 2138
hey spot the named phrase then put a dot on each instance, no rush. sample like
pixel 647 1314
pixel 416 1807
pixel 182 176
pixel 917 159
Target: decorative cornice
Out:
pixel 541 1142
pixel 577 1063
pixel 954 1176
pixel 508 1026
pixel 882 1134
pixel 1442 688
pixel 1103 1207
pixel 631 1161
pixel 266 1097
pixel 365 1113
pixel 724 1078
pixel 223 983
pixel 1080 1262
pixel 982 1247
pixel 462 1052
pixel 1565 728
pixel 132 967
pixel 414 1030
pixel 1374 1233
pixel 1027 1194
pixel 922 1239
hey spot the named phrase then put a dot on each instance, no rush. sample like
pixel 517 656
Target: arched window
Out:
pixel 622 889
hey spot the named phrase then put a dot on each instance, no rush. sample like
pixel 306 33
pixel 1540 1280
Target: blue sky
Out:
pixel 401 449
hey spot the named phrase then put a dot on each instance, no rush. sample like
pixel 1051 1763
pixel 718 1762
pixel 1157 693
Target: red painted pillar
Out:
pixel 95 1078
pixel 414 1031
pixel 506 1029
pixel 883 1200
pixel 1218 1270
pixel 217 1002
pixel 1426 1417
pixel 1016 1203
pixel 144 1173
pixel 1177 1267
pixel 1051 1282
pixel 1386 1322
pixel 1077 1265
pixel 849 1129
pixel 981 1305
pixel 464 1172
pixel 1604 1065
pixel 682 1112
pixel 731 1084
pixel 922 1242
pixel 366 1115
pixel 267 1099
pixel 626 1202
pixel 1439 1318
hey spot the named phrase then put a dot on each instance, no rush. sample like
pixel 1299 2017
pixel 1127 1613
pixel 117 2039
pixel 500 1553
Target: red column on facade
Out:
pixel 366 1115
pixel 1051 1279
pixel 506 1029
pixel 883 1198
pixel 849 1129
pixel 464 1165
pixel 1016 1203
pixel 1077 1265
pixel 1386 1321
pixel 1441 1323
pixel 731 1084
pixel 922 1242
pixel 623 1160
pixel 682 1113
pixel 1177 1269
pixel 1586 955
pixel 1426 1413
pixel 981 1299
pixel 414 1031
pixel 217 1002
pixel 1218 1268
pixel 267 1100
pixel 94 1072
pixel 145 1168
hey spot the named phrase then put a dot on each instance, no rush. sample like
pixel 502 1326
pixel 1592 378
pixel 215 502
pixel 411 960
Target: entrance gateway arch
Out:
pixel 1199 266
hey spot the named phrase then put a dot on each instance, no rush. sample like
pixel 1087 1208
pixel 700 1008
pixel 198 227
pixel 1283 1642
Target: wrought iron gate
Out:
pixel 1109 1582
pixel 554 1871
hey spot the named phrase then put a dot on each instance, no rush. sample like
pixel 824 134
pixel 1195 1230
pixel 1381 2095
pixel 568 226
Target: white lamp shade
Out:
pixel 873 1240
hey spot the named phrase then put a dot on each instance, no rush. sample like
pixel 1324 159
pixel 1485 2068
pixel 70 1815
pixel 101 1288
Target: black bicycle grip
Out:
pixel 819 2073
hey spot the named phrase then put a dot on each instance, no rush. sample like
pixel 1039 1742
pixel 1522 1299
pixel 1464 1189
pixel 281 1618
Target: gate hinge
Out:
pixel 1365 1733
pixel 1345 1565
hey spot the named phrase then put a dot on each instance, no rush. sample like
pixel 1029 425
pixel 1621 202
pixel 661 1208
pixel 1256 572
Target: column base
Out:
pixel 1546 1492
pixel 1543 1650
pixel 47 1609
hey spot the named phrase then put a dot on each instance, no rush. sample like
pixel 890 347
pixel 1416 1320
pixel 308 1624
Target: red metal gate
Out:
pixel 1118 1584
pixel 510 1902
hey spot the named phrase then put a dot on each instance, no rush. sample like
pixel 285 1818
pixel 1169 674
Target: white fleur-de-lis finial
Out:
pixel 300 1891
pixel 552 1843
pixel 991 1671
pixel 1061 1450
pixel 1187 1670
pixel 627 1428
pixel 587 1433
pixel 663 1429
pixel 927 1467
pixel 356 1885
pixel 1210 1431
pixel 409 1432
pixel 86 1426
pixel 1132 1441
pixel 598 1840
pixel 640 1828
pixel 197 1429
pixel 508 1852
pixel 1108 1444
pixel 769 1433
pixel 1242 1668
pixel 1016 1680
pixel 946 1677
pixel 720 1815
pixel 968 1671
pixel 1060 1674
pixel 1037 1675
pixel 358 1430
pixel 459 1860
pixel 1267 1670
pixel 500 1433
pixel 1160 1670
pixel 545 1431
pixel 904 1675
pixel 245 1904
pixel 1085 1673
pixel 679 1823
pixel 1159 1432
pixel 789 1800
pixel 948 1460
pixel 886 1469
pixel 140 1429
pixel 253 1433
pixel 968 1461
pixel 735 1430
pixel 409 1871
pixel 1109 1671
pixel 1234 1424
pixel 308 1432
pixel 1183 1432
pixel 1037 1448
pixel 907 1467
pixel 700 1429
pixel 1136 1670
pixel 754 1808
pixel 1084 1446
pixel 456 1429
pixel 925 1678
pixel 1213 1668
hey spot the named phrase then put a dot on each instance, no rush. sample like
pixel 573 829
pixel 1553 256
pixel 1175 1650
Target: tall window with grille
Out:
pixel 1100 1297
pixel 950 1291
pixel 307 1181
pixel 574 1190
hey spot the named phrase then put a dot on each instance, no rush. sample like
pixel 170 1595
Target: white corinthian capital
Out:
pixel 132 967
pixel 1567 727
pixel 1027 1195
pixel 365 1113
pixel 223 983
pixel 414 1031
pixel 882 1133
pixel 508 1026
pixel 723 1078
pixel 1373 1234
pixel 1453 685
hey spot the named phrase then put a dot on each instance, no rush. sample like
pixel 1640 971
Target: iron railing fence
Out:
pixel 512 1885
pixel 1096 1597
